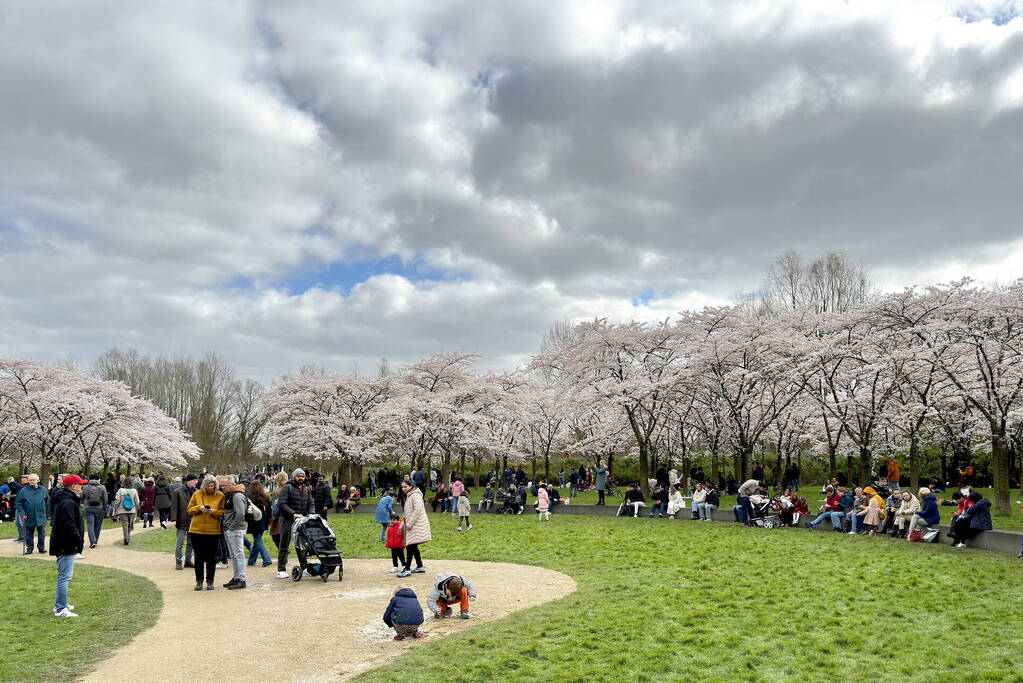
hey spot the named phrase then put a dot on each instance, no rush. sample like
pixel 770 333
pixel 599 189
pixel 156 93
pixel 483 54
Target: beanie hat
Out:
pixel 190 477
pixel 298 471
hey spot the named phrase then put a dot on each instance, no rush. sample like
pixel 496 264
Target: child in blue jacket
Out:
pixel 404 614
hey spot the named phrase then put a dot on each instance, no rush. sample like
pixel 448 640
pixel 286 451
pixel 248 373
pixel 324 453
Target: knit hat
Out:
pixel 298 471
pixel 94 477
pixel 190 477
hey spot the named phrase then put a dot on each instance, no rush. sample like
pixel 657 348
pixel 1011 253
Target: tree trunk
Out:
pixel 833 460
pixel 1000 468
pixel 644 469
pixel 850 479
pixel 914 462
pixel 714 467
pixel 547 466
pixel 866 465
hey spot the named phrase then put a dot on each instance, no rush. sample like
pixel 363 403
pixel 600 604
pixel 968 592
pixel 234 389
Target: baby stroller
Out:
pixel 512 504
pixel 765 512
pixel 313 537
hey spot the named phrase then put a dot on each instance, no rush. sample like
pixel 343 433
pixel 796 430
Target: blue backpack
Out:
pixel 128 503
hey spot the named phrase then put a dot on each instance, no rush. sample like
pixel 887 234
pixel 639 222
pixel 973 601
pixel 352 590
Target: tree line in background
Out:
pixel 814 368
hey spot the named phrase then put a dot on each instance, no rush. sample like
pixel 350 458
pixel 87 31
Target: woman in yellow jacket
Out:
pixel 206 508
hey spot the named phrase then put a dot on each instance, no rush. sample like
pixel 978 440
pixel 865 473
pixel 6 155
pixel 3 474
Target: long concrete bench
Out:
pixel 996 540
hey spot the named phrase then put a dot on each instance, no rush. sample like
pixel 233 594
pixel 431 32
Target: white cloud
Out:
pixel 168 168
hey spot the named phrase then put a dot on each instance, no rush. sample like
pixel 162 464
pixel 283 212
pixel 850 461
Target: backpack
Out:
pixel 93 497
pixel 127 503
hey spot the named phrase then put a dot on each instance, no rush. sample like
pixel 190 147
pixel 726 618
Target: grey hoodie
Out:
pixel 234 515
pixel 438 591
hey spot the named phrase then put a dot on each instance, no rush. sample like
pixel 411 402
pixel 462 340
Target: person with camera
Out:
pixel 206 508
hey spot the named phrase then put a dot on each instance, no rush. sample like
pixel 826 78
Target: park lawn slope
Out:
pixel 660 599
pixel 114 606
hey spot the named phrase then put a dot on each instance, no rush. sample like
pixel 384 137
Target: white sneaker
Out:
pixel 64 613
pixel 458 529
pixel 960 545
pixel 852 533
pixel 79 556
pixel 70 607
pixel 282 575
pixel 470 526
pixel 393 570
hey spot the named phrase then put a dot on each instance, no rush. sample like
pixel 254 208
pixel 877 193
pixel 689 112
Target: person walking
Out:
pixel 179 515
pixel 322 497
pixel 234 525
pixel 294 502
pixel 206 507
pixel 258 497
pixel 66 539
pixel 382 515
pixel 274 526
pixel 94 501
pixel 162 500
pixel 31 507
pixel 126 505
pixel 147 497
pixel 416 527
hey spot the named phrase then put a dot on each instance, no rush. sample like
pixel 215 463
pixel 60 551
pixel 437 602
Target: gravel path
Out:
pixel 280 630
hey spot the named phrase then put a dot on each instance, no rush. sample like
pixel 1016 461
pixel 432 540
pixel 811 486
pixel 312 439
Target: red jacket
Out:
pixel 832 502
pixel 395 536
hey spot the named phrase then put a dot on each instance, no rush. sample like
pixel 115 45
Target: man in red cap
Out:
pixel 67 536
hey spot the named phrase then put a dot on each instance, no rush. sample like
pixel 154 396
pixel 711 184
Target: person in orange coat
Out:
pixel 894 470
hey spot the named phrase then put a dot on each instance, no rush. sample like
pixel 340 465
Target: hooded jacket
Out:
pixel 395 536
pixel 543 500
pixel 929 510
pixel 908 508
pixel 180 498
pixel 383 511
pixel 979 514
pixel 438 593
pixel 98 491
pixel 872 495
pixel 404 608
pixel 296 499
pixel 67 536
pixel 464 507
pixel 202 522
pixel 235 505
pixel 416 523
pixel 162 499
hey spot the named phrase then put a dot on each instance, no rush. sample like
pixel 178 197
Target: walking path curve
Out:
pixel 265 632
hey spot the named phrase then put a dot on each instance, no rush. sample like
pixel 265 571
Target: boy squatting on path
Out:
pixel 449 589
pixel 404 614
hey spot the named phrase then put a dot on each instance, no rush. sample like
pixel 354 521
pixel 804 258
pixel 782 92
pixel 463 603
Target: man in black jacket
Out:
pixel 179 515
pixel 67 536
pixel 294 501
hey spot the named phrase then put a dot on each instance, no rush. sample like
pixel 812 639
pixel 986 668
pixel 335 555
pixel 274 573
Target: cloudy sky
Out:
pixel 335 182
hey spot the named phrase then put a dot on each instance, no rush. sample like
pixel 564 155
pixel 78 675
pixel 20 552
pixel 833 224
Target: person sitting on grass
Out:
pixel 832 509
pixel 660 498
pixel 709 504
pixel 975 518
pixel 450 589
pixel 634 497
pixel 675 501
pixel 404 614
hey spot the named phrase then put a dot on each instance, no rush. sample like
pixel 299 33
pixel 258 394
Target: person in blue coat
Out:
pixel 974 519
pixel 33 503
pixel 929 513
pixel 383 512
pixel 404 614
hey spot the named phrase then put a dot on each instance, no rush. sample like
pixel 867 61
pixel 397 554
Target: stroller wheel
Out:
pixel 296 574
pixel 340 574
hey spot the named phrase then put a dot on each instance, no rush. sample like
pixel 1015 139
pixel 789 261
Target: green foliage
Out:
pixel 114 607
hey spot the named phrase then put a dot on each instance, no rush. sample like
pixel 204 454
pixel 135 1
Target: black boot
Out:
pixel 238 585
pixel 198 586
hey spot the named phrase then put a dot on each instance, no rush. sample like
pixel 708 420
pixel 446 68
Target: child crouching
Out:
pixel 396 542
pixel 404 614
pixel 449 589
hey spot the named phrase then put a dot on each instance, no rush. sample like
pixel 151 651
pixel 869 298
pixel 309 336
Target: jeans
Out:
pixel 707 511
pixel 740 513
pixel 836 518
pixel 65 570
pixel 855 521
pixel 164 516
pixel 21 527
pixel 235 539
pixel 183 540
pixel 747 509
pixel 30 532
pixel 383 531
pixel 694 508
pixel 794 484
pixel 258 549
pixel 93 523
pixel 658 509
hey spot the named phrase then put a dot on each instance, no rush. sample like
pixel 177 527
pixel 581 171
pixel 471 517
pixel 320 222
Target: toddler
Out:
pixel 543 503
pixel 396 542
pixel 404 614
pixel 464 508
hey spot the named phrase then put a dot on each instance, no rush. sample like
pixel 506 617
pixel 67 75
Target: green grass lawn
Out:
pixel 114 606
pixel 664 600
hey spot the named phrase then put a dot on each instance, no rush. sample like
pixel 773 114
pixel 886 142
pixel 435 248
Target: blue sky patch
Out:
pixel 342 276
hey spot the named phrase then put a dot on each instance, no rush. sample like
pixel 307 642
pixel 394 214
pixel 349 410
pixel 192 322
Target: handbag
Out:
pixel 254 512
pixel 916 536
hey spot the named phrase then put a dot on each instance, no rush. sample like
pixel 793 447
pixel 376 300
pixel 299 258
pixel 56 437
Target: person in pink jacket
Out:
pixel 543 503
pixel 456 493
